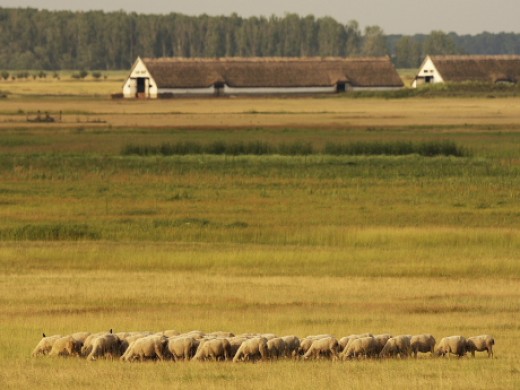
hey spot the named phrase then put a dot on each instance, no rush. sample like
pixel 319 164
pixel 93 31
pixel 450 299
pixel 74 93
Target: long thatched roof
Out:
pixel 273 72
pixel 459 68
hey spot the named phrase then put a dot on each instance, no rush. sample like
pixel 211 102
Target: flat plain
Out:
pixel 93 239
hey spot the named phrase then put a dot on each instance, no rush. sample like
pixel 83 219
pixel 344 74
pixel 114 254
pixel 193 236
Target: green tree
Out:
pixel 374 42
pixel 439 42
pixel 407 53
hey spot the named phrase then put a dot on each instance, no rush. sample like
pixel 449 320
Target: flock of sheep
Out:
pixel 224 346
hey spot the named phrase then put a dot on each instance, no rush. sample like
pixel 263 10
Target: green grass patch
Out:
pixel 49 232
pixel 300 148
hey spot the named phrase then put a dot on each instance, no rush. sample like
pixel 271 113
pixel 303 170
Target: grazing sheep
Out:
pixel 481 344
pixel 422 343
pixel 292 346
pixel 66 346
pixel 276 347
pixel 80 336
pixel 235 343
pixel 213 349
pixel 381 340
pixel 364 346
pixel 326 347
pixel 396 346
pixel 455 345
pixel 305 344
pixel 252 349
pixel 103 346
pixel 87 343
pixel 182 347
pixel 343 342
pixel 44 346
pixel 149 347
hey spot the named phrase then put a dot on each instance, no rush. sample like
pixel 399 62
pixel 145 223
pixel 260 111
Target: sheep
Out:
pixel 343 342
pixel 149 347
pixel 108 344
pixel 213 349
pixel 44 346
pixel 381 340
pixel 252 349
pixel 221 334
pixel 66 346
pixel 182 347
pixel 480 344
pixel 422 343
pixel 276 347
pixel 363 346
pixel 235 343
pixel 80 336
pixel 168 333
pixel 399 345
pixel 305 344
pixel 326 347
pixel 455 345
pixel 87 343
pixel 196 334
pixel 292 346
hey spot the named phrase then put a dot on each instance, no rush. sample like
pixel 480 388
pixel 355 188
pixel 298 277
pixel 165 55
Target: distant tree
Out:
pixel 374 42
pixel 5 75
pixel 354 38
pixel 407 53
pixel 439 43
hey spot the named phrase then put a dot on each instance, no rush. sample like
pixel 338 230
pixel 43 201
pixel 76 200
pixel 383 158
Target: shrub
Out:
pixel 50 232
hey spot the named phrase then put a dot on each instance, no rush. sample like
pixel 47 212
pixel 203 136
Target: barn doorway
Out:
pixel 341 87
pixel 142 90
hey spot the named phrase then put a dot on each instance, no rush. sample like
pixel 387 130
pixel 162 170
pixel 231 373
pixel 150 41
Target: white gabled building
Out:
pixel 140 82
pixel 167 77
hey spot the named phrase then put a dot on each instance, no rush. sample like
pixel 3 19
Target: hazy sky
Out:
pixel 394 16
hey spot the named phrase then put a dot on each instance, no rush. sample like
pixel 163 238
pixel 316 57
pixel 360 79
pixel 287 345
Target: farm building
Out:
pixel 162 77
pixel 461 68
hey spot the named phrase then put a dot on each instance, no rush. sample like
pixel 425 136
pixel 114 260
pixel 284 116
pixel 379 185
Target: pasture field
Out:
pixel 92 239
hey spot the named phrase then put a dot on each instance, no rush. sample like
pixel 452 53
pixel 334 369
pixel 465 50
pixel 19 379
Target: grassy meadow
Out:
pixel 92 238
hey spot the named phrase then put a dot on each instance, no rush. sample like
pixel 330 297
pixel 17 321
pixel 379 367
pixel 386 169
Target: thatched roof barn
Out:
pixel 231 76
pixel 462 68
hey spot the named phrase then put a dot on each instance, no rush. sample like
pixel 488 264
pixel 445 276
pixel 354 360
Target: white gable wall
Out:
pixel 428 74
pixel 140 74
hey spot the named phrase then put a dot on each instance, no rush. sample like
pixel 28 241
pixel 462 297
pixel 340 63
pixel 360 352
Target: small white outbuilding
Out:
pixel 468 68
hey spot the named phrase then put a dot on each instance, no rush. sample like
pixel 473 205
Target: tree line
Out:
pixel 55 40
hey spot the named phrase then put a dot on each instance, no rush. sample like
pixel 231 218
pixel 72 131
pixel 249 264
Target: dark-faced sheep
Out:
pixel 292 346
pixel 397 346
pixel 108 345
pixel 276 347
pixel 481 344
pixel 453 345
pixel 422 343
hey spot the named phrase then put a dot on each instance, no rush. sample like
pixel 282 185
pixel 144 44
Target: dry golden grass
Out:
pixel 291 245
pixel 325 112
